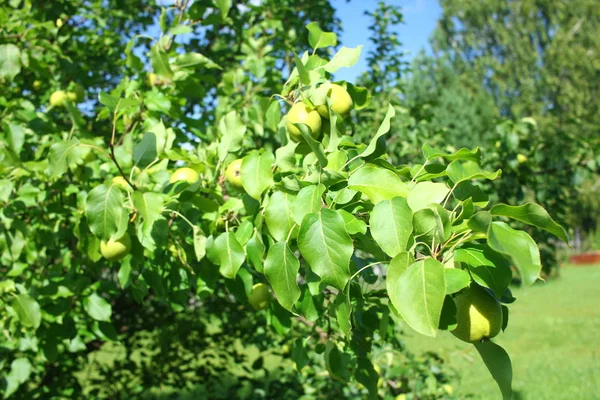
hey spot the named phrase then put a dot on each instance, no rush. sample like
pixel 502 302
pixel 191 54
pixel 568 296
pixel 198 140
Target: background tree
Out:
pixel 536 59
pixel 435 92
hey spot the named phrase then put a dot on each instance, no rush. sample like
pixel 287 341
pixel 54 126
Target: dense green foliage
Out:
pixel 351 246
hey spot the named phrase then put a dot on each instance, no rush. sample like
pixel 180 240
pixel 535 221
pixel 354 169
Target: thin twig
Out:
pixel 112 148
pixel 365 267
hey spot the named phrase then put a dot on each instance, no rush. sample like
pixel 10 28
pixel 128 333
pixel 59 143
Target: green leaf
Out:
pixel 366 375
pixel 343 313
pixel 244 232
pixel 16 137
pixel 395 269
pixel 468 170
pixel 111 102
pixel 518 247
pixel 306 305
pixel 61 157
pixel 285 157
pixel 353 224
pixel 317 38
pixel 6 189
pixel 480 222
pixel 273 115
pixel 302 72
pixel 180 30
pixel 391 225
pixel 227 253
pixel 382 130
pixel 498 363
pixel 505 312
pixel 418 292
pixel 307 201
pixel 28 310
pixel 488 268
pixel 199 243
pixel 20 370
pixel 532 214
pixel 155 100
pixel 463 154
pixel 344 58
pixel 192 59
pixel 145 151
pixel 150 205
pixel 425 193
pixel 223 6
pixel 164 137
pixel 377 183
pixel 426 172
pixel 337 363
pixel 281 270
pixel 124 273
pixel 361 96
pixel 10 61
pixel 448 317
pixel 160 61
pixel 326 246
pixel 469 191
pixel 255 251
pixel 325 176
pixel 257 173
pixel 299 354
pixel 232 130
pixel 316 147
pixel 278 215
pixel 456 279
pixel 106 215
pixel 428 227
pixel 163 20
pixel 281 319
pixel 97 307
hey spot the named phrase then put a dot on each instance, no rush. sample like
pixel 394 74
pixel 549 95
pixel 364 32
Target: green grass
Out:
pixel 553 339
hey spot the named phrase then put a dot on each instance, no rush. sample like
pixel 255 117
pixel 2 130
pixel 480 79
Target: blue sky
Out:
pixel 420 18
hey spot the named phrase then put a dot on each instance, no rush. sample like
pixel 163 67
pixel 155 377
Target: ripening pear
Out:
pixel 300 113
pixel 185 174
pixel 478 315
pixel 341 102
pixel 58 98
pixel 260 297
pixel 233 173
pixel 114 250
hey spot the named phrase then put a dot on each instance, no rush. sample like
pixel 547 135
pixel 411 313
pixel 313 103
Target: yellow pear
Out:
pixel 233 173
pixel 58 98
pixel 341 102
pixel 299 113
pixel 185 174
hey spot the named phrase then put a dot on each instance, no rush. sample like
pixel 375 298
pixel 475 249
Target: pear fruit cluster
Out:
pixel 302 113
pixel 60 97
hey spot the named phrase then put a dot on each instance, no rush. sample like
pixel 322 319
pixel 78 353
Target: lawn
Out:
pixel 553 339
